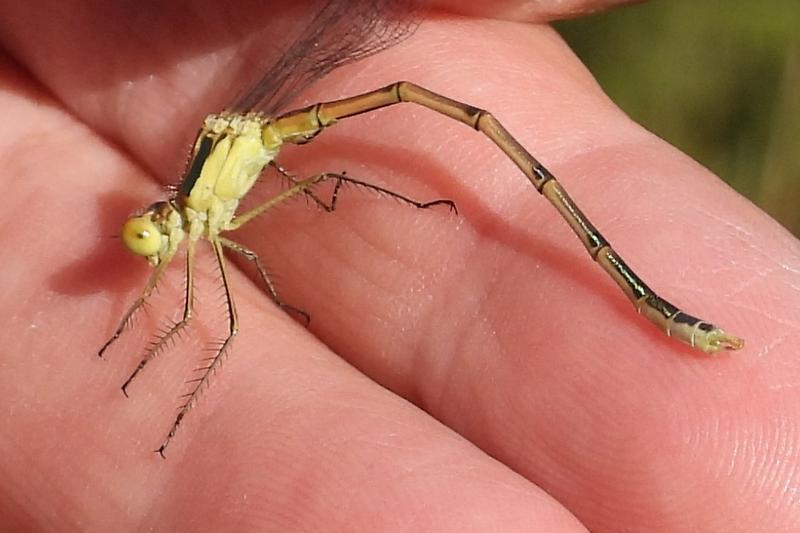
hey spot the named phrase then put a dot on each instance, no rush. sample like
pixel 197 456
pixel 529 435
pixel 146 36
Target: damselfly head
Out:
pixel 148 233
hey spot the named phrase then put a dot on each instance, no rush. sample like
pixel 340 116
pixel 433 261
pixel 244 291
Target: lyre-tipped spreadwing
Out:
pixel 235 146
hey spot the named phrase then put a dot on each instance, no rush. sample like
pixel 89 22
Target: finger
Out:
pixel 542 11
pixel 408 356
pixel 54 431
pixel 289 437
pixel 500 324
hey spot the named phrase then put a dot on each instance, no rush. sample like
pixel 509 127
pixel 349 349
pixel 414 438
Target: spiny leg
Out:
pixel 308 192
pixel 214 362
pixel 302 187
pixel 299 187
pixel 136 305
pixel 164 338
pixel 250 255
pixel 304 124
pixel 380 191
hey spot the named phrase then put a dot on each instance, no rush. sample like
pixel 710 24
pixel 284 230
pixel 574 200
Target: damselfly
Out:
pixel 233 148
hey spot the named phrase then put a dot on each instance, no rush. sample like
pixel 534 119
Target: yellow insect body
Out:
pixel 231 168
pixel 232 150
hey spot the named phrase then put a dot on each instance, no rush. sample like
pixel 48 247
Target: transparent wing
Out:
pixel 342 31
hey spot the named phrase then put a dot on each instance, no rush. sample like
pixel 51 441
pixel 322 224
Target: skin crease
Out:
pixel 474 372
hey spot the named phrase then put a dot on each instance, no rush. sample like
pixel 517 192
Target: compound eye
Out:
pixel 141 236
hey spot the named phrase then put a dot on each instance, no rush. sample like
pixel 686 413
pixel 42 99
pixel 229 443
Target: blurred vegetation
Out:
pixel 719 79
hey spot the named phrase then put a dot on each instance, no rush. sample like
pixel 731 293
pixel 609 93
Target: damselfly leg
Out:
pixel 342 179
pixel 269 286
pixel 164 338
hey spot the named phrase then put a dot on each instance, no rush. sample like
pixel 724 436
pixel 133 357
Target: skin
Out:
pixel 460 373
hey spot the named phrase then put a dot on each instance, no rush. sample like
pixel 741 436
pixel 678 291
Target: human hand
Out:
pixel 537 395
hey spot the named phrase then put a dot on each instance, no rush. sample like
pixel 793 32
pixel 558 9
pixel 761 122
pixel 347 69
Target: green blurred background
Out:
pixel 720 79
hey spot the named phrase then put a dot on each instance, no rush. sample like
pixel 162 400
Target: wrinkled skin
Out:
pixel 470 373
